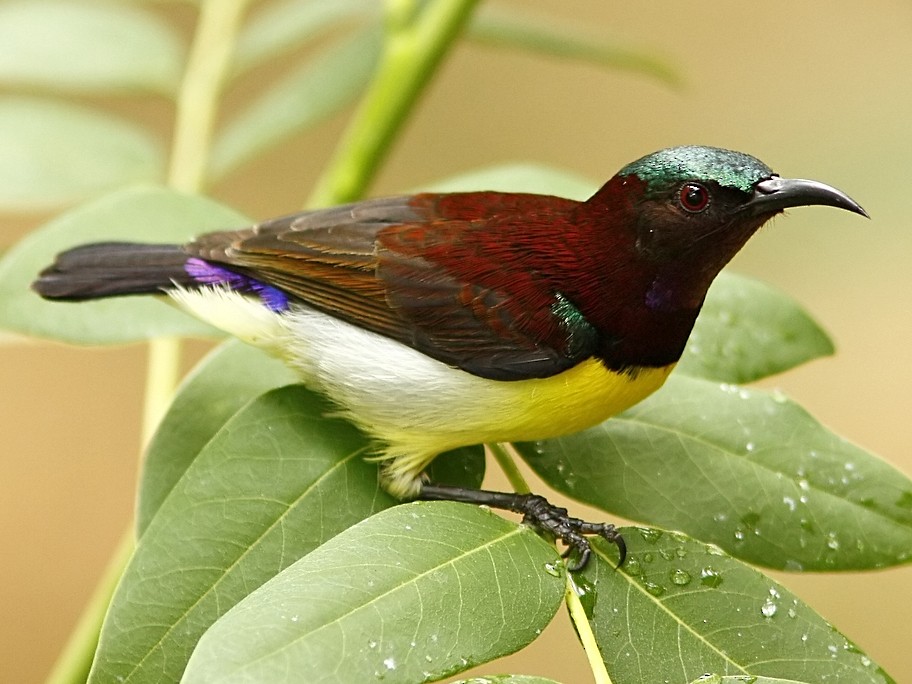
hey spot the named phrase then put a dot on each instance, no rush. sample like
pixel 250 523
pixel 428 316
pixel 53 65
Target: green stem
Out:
pixel 197 104
pixel 507 463
pixel 416 42
pixel 503 455
pixel 584 631
pixel 162 376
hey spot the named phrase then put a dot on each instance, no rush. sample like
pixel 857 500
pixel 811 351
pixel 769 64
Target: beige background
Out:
pixel 817 89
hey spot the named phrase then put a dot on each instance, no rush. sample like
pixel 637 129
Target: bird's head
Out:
pixel 692 208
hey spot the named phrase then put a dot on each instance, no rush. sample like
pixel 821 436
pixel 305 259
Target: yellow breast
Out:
pixel 574 400
pixel 492 411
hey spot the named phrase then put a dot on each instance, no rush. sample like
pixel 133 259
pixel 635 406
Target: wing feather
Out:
pixel 366 264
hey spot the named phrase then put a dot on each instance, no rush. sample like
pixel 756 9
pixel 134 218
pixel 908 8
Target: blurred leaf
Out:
pixel 308 94
pixel 87 47
pixel 278 480
pixel 56 153
pixel 224 382
pixel 750 471
pixel 282 26
pixel 516 29
pixel 415 593
pixel 678 609
pixel 518 178
pixel 747 330
pixel 143 214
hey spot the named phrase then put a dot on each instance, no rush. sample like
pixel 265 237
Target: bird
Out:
pixel 440 320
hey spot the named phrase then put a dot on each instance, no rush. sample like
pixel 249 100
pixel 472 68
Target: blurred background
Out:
pixel 816 89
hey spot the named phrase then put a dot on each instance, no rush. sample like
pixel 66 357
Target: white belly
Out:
pixel 415 406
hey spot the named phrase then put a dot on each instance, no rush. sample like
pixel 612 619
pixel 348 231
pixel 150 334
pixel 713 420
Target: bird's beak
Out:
pixel 775 194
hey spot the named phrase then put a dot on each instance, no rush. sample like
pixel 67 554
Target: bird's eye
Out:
pixel 693 197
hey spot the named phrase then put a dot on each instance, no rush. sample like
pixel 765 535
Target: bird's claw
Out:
pixel 543 515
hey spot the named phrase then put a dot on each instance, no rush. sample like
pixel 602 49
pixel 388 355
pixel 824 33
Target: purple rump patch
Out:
pixel 209 274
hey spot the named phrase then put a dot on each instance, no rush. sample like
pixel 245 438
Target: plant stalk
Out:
pixel 416 42
pixel 584 631
pixel 507 463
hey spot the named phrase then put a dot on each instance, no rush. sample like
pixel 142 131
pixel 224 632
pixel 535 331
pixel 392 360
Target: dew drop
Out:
pixel 650 534
pixel 832 542
pixel 633 568
pixel 552 569
pixel 389 663
pixel 654 589
pixel 790 502
pixel 710 577
pixel 680 577
pixel 768 608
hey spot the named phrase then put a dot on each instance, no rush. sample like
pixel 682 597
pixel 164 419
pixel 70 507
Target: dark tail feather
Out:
pixel 108 269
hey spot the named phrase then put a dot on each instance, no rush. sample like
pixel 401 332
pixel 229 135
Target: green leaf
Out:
pixel 282 26
pixel 56 154
pixel 300 99
pixel 85 47
pixel 678 609
pixel 516 29
pixel 747 330
pixel 143 214
pixel 742 679
pixel 278 480
pixel 747 470
pixel 518 178
pixel 415 593
pixel 224 382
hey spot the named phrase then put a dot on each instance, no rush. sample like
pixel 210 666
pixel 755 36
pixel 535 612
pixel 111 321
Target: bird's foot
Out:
pixel 538 512
pixel 542 514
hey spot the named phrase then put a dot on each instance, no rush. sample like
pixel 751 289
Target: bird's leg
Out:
pixel 538 512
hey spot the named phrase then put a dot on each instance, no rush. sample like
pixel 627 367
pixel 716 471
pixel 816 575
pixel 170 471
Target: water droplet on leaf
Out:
pixel 680 577
pixel 654 589
pixel 650 534
pixel 710 577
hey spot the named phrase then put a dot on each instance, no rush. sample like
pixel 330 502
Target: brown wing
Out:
pixel 366 264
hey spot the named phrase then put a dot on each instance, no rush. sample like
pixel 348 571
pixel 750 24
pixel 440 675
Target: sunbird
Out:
pixel 440 320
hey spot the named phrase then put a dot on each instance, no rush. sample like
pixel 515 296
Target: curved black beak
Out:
pixel 775 194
